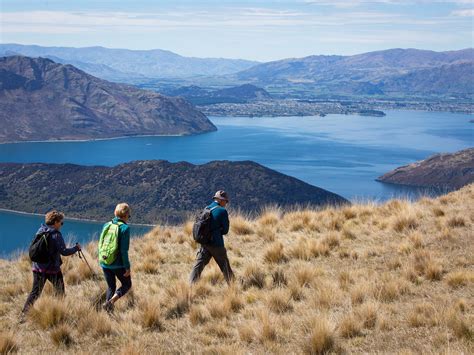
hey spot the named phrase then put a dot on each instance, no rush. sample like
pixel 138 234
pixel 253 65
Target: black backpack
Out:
pixel 40 248
pixel 202 226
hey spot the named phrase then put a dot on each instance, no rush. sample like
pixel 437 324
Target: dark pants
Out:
pixel 204 255
pixel 110 278
pixel 39 279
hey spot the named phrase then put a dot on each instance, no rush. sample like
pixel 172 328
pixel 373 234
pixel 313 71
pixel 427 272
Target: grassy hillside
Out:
pixel 392 278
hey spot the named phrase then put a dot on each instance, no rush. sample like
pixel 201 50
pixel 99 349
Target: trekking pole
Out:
pixel 83 257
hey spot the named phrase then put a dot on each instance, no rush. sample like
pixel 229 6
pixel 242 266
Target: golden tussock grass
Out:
pixel 8 344
pixel 349 326
pixel 364 278
pixel 48 312
pixel 61 335
pixel 275 253
pixel 253 276
pixel 241 226
pixel 320 337
pixel 461 278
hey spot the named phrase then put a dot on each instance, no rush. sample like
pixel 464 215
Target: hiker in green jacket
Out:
pixel 114 259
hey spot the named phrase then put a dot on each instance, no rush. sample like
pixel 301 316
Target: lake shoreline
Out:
pixel 73 218
pixel 101 139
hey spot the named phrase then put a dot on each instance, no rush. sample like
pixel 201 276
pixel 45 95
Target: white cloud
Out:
pixel 244 19
pixel 463 13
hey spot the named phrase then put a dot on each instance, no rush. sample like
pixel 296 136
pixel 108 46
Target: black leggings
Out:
pixel 39 279
pixel 110 275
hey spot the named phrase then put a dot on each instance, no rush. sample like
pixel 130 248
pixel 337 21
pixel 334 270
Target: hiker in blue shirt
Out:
pixel 215 249
pixel 120 267
pixel 51 270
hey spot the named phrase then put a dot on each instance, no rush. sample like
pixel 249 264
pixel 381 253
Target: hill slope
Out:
pixel 156 63
pixel 43 100
pixel 443 171
pixel 157 190
pixel 394 278
pixel 372 73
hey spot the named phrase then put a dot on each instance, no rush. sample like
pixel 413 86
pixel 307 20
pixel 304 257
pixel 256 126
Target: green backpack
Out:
pixel 108 243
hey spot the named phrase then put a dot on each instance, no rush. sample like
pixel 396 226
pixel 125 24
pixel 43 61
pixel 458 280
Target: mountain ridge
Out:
pixel 154 63
pixel 157 190
pixel 43 100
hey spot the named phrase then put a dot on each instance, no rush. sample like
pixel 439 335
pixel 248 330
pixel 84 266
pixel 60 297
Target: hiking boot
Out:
pixel 108 307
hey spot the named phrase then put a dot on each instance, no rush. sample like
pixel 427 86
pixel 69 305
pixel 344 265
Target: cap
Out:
pixel 221 195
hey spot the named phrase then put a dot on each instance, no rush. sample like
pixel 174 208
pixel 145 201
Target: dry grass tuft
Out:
pixel 48 312
pixel 275 253
pixel 404 222
pixel 279 278
pixel 179 299
pixel 253 277
pixel 247 333
pixel 268 331
pixel 266 233
pixel 438 212
pixel 95 324
pixel 233 299
pixel 423 263
pixel 279 301
pixel 391 289
pixel 61 335
pixel 459 326
pixel 320 338
pixel 241 226
pixel 8 344
pixel 301 250
pixel 455 222
pixel 198 315
pixel 423 314
pixel 367 314
pixel 350 326
pixel 151 318
pixel 460 278
pixel 270 217
pixel 305 275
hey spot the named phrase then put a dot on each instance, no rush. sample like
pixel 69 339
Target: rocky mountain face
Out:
pixel 373 73
pixel 120 64
pixel 443 171
pixel 43 100
pixel 158 191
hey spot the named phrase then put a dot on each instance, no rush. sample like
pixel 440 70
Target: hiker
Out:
pixel 50 269
pixel 215 248
pixel 113 255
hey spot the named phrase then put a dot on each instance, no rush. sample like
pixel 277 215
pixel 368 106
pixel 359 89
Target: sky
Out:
pixel 257 30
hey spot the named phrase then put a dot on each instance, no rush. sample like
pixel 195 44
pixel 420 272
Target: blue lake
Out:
pixel 340 153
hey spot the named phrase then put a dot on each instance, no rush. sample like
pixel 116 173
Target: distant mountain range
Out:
pixel 43 100
pixel 393 71
pixel 158 191
pixel 125 64
pixel 442 171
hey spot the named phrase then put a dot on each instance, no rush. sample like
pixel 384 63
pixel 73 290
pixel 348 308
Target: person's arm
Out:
pixel 62 246
pixel 224 221
pixel 124 245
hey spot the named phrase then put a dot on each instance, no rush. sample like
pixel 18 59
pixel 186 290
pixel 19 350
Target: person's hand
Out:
pixel 78 246
pixel 127 273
